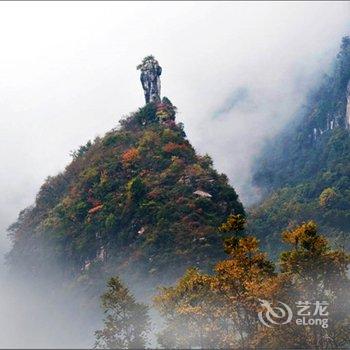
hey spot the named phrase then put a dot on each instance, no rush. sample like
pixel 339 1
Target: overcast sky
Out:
pixel 236 72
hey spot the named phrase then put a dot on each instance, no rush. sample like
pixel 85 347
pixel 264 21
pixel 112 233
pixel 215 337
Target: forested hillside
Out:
pixel 138 202
pixel 304 173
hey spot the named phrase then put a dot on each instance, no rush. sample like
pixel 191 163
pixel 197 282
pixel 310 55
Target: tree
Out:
pixel 314 273
pixel 319 274
pixel 219 310
pixel 327 197
pixel 127 322
pixel 188 311
pixel 130 155
pixel 233 224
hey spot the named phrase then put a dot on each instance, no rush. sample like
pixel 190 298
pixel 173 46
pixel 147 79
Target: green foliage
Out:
pixel 81 150
pixel 304 176
pixel 127 322
pixel 135 189
pixel 132 194
pixel 147 114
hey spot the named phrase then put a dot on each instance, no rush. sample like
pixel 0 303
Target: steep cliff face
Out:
pixel 138 202
pixel 304 172
pixel 348 106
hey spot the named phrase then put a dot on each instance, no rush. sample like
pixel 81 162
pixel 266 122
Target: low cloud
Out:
pixel 236 71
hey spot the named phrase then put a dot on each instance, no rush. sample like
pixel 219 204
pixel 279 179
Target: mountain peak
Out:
pixel 137 201
pixel 150 78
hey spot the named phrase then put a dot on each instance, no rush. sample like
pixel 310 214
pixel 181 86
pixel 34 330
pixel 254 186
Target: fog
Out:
pixel 236 71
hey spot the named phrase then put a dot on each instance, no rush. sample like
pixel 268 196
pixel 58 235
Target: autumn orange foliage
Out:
pixel 95 209
pixel 219 310
pixel 130 155
pixel 172 147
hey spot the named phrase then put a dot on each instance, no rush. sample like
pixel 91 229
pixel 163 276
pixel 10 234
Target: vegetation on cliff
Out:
pixel 137 200
pixel 303 174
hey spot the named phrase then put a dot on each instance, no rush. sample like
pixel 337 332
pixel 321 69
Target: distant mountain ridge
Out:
pixel 304 172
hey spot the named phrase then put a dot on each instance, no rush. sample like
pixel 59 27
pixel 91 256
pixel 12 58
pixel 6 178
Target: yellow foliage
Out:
pixel 234 223
pixel 327 196
pixel 220 310
pixel 300 233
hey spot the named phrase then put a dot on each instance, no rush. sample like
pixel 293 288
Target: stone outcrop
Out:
pixel 150 78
